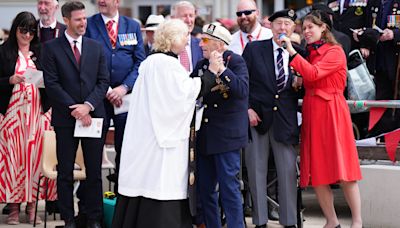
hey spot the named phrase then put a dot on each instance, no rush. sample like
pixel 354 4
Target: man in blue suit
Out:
pixel 273 121
pixel 76 80
pixel 123 45
pixel 186 11
pixel 223 130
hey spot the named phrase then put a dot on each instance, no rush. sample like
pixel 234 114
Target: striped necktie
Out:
pixel 111 33
pixel 77 54
pixel 184 59
pixel 280 78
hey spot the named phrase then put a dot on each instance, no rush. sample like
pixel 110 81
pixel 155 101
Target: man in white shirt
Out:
pixel 250 29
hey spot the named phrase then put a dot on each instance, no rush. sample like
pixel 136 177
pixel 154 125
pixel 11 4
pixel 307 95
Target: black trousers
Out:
pixel 92 149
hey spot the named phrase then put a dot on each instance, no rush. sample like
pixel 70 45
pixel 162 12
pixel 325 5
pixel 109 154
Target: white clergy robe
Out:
pixel 154 157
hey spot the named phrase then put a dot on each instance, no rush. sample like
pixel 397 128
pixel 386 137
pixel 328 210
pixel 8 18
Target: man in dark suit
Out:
pixel 186 11
pixel 223 130
pixel 273 119
pixel 384 61
pixel 48 27
pixel 122 42
pixel 76 80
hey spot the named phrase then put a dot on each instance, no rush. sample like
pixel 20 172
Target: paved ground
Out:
pixel 313 215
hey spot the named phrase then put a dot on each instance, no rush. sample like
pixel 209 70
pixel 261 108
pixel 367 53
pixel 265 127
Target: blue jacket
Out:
pixel 224 125
pixel 123 61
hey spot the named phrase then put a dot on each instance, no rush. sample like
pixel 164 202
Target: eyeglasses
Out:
pixel 245 12
pixel 24 31
pixel 205 40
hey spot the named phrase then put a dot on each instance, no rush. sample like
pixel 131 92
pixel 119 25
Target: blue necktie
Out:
pixel 280 79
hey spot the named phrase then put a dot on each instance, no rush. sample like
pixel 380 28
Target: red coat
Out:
pixel 328 151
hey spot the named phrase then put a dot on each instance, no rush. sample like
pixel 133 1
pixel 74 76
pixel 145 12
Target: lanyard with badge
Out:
pixel 241 38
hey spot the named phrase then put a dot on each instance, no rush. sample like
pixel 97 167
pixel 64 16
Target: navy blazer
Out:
pixel 68 84
pixel 123 61
pixel 224 125
pixel 275 109
pixel 197 53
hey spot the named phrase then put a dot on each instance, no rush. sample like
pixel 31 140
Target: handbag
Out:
pixel 360 83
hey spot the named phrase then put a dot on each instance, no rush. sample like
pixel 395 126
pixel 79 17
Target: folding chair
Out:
pixel 49 163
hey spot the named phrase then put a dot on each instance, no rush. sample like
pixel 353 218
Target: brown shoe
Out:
pixel 13 216
pixel 30 211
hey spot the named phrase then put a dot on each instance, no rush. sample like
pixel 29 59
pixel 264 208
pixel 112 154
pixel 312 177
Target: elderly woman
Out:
pixel 328 154
pixel 153 178
pixel 23 118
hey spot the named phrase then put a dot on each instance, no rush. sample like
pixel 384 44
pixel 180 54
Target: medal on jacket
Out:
pixel 359 11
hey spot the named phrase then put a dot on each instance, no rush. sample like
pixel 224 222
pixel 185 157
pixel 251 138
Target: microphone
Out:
pixel 282 35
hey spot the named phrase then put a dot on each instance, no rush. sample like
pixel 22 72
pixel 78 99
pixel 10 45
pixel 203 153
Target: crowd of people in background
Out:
pixel 207 100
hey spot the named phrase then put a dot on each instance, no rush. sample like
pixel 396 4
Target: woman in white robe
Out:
pixel 153 176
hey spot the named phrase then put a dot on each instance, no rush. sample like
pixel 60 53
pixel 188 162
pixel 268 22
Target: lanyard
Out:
pixel 241 38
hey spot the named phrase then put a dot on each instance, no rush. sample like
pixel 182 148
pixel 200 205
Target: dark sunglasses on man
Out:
pixel 245 12
pixel 23 30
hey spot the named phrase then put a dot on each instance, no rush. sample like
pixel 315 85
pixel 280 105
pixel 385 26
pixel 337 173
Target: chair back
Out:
pixel 49 158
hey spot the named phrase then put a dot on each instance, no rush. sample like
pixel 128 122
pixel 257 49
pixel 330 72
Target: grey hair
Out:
pixel 177 5
pixel 169 33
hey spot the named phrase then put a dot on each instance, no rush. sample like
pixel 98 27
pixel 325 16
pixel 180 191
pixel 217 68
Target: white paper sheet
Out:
pixel 34 77
pixel 124 106
pixel 92 131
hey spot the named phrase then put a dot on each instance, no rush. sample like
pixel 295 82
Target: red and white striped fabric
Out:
pixel 21 133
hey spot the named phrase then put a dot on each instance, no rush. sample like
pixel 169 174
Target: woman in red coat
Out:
pixel 328 151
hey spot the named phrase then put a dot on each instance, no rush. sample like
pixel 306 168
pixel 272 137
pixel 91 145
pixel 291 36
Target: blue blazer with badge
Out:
pixel 275 109
pixel 67 83
pixel 123 61
pixel 224 125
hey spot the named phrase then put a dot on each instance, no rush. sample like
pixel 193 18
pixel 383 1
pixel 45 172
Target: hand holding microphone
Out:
pixel 286 43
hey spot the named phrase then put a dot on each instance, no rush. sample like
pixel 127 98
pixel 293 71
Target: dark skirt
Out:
pixel 141 212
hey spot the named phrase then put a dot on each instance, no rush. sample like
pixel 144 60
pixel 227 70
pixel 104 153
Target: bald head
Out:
pixel 247 14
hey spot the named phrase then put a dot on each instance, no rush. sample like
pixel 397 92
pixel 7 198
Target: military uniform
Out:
pixel 349 15
pixel 224 130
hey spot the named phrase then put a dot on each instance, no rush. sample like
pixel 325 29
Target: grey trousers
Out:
pixel 256 157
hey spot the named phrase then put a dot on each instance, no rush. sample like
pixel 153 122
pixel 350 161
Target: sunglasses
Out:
pixel 245 12
pixel 31 31
pixel 206 40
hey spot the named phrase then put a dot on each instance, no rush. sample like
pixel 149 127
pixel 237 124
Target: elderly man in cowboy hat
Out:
pixel 152 23
pixel 223 129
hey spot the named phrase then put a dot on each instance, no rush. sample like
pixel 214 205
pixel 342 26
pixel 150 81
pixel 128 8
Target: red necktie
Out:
pixel 111 33
pixel 184 58
pixel 77 54
pixel 250 37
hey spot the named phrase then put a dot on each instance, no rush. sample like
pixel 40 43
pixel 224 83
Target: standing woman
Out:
pixel 328 151
pixel 22 119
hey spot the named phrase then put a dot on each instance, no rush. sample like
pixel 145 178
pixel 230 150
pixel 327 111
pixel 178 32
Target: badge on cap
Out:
pixel 291 13
pixel 211 29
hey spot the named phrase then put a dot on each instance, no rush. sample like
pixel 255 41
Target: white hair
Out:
pixel 177 5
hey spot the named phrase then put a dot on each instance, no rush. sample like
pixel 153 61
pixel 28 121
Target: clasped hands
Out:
pixel 81 112
pixel 116 94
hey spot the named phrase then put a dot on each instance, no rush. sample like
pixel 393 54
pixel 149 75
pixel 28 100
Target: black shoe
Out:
pixel 292 226
pixel 94 224
pixel 70 224
pixel 261 226
pixel 80 220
